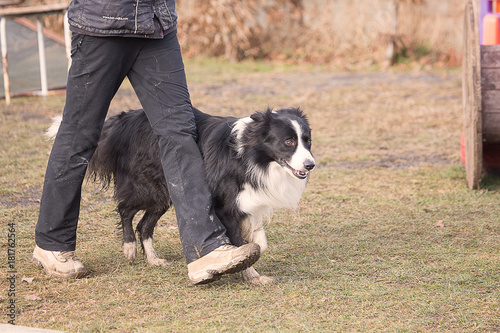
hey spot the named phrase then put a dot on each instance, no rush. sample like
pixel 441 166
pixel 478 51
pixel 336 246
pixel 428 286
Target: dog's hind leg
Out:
pixel 145 228
pixel 129 246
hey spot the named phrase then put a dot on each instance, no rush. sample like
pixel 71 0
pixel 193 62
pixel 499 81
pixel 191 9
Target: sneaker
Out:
pixel 63 264
pixel 225 259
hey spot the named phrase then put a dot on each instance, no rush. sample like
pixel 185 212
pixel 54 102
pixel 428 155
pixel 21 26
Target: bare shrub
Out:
pixel 322 30
pixel 238 29
pixel 318 31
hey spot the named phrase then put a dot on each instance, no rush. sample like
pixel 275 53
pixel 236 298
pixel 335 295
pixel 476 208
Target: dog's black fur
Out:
pixel 237 155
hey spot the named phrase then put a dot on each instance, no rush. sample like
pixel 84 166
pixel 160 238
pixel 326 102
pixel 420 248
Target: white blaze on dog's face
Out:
pixel 290 139
pixel 281 136
pixel 302 160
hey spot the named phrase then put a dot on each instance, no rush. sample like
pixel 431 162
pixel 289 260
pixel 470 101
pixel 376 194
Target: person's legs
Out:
pixel 160 83
pixel 159 80
pixel 93 80
pixel 156 71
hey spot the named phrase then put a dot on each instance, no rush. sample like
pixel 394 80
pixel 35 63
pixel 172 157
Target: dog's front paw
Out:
pixel 158 262
pixel 251 276
pixel 261 280
pixel 130 251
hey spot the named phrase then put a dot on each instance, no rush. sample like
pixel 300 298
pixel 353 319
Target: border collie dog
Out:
pixel 253 165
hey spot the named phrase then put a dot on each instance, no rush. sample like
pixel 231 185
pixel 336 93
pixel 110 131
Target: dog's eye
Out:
pixel 308 141
pixel 290 142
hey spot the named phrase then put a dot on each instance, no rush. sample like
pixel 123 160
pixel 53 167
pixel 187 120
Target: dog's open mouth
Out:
pixel 297 173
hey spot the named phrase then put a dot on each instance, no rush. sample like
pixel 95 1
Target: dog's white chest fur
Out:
pixel 279 190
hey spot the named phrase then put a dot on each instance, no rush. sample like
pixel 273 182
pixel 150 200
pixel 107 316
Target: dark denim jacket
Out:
pixel 122 17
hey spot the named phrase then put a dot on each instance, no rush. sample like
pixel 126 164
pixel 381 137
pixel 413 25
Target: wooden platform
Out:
pixel 36 12
pixel 490 92
pixel 5 328
pixel 481 98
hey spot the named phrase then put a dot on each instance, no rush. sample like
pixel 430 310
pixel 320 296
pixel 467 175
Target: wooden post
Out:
pixel 390 52
pixel 6 81
pixel 41 58
pixel 67 38
pixel 471 85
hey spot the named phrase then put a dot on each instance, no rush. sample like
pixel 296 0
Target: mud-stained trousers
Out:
pixel 156 71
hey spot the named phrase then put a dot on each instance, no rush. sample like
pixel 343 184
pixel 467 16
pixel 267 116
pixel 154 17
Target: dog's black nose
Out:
pixel 309 165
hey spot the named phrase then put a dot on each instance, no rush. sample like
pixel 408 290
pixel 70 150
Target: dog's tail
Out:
pixel 104 163
pixel 102 166
pixel 51 132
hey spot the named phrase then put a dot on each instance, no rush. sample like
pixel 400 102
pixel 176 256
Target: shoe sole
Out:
pixel 234 266
pixel 50 272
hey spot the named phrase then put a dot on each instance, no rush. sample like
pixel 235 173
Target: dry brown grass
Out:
pixel 387 236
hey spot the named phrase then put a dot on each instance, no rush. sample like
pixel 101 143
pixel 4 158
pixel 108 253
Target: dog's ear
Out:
pixel 262 116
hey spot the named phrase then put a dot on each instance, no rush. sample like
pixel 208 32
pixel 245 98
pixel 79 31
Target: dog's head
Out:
pixel 281 136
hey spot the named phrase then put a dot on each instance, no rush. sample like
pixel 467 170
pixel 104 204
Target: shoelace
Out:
pixel 68 255
pixel 226 247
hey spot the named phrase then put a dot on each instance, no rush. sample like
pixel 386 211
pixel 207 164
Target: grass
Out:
pixel 387 236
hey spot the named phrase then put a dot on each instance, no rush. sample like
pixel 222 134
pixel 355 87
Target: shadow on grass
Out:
pixel 491 182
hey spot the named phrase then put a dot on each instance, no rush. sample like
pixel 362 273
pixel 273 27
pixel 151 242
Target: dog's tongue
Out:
pixel 301 174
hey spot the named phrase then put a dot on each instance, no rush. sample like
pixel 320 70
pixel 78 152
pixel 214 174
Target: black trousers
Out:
pixel 156 71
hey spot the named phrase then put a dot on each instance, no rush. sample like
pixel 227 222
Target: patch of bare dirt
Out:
pixel 359 120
